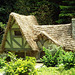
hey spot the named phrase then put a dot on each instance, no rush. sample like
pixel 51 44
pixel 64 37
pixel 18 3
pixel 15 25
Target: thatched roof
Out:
pixel 24 23
pixel 62 34
pixel 59 34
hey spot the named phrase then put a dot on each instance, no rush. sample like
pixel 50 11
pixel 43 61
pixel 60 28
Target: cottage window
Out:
pixel 17 33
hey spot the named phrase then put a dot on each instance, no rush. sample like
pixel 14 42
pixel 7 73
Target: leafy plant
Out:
pixel 2 59
pixel 69 59
pixel 8 56
pixel 60 57
pixel 20 67
pixel 12 56
pixel 17 66
pixel 2 25
pixel 52 59
pixel 32 59
pixel 2 63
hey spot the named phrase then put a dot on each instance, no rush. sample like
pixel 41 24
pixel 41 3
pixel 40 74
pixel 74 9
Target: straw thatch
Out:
pixel 24 23
pixel 59 34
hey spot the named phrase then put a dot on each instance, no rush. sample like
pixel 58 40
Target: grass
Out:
pixel 48 71
pixel 55 71
pixel 1 70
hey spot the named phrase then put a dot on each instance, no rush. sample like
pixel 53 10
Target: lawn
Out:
pixel 55 71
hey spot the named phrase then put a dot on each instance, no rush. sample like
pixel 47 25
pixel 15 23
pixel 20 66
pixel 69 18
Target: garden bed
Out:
pixel 58 63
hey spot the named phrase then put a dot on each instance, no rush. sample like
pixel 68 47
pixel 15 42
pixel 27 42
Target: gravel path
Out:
pixel 38 65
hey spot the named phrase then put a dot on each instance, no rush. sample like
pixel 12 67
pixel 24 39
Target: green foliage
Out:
pixel 6 57
pixel 6 7
pixel 12 56
pixel 69 59
pixel 2 27
pixel 2 60
pixel 60 57
pixel 3 55
pixel 15 66
pixel 22 7
pixel 32 59
pixel 20 67
pixel 2 63
pixel 48 71
pixel 52 60
pixel 55 71
pixel 67 12
pixel 46 12
pixel 53 49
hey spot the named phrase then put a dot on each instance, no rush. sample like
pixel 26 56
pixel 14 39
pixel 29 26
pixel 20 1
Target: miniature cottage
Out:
pixel 24 36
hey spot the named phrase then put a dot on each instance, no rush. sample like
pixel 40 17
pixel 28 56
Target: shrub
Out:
pixel 32 59
pixel 15 66
pixel 20 67
pixel 60 57
pixel 2 59
pixel 69 59
pixel 8 56
pixel 12 56
pixel 2 63
pixel 49 59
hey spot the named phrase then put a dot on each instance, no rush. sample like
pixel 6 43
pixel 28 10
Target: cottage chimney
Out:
pixel 73 28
